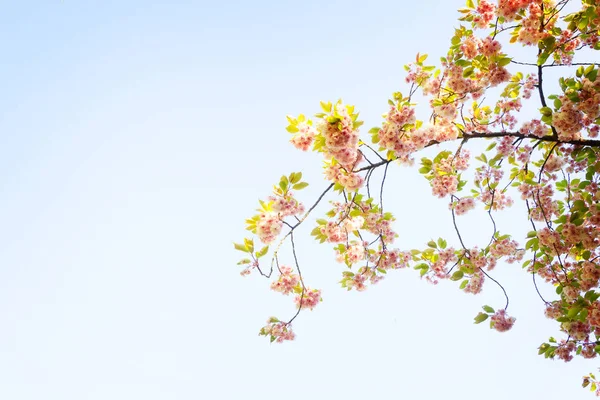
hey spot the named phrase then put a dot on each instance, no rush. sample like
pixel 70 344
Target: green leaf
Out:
pixel 262 252
pixel 504 61
pixel 300 185
pixel 295 177
pixel 488 309
pixel 573 312
pixel 240 247
pixel 326 106
pixel 457 275
pixel 481 317
pixel 542 58
pixel 249 243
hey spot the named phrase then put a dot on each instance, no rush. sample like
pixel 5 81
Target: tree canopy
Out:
pixel 539 119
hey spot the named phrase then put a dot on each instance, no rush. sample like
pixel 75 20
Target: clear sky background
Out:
pixel 136 137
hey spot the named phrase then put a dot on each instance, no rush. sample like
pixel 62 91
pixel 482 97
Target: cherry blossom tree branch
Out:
pixel 501 287
pixel 577 142
pixel 301 279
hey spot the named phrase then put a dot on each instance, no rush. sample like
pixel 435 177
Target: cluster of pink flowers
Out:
pixel 570 293
pixel 589 351
pixel 505 146
pixel 565 46
pixel 447 112
pixel 589 98
pixel 473 46
pixel 565 350
pixel 458 83
pixel 567 122
pixel 497 75
pixel 287 281
pixel 554 163
pixel 393 134
pixel 444 185
pixel 334 232
pixel 486 12
pixel 587 235
pixel 248 270
pixel 524 154
pixel 489 47
pixel 378 225
pixel 341 139
pixel 353 224
pixel 416 74
pixel 548 237
pixel 286 205
pixel 496 199
pixel 355 252
pixel 530 33
pixel 444 180
pixel 535 128
pixel 309 299
pixel 529 84
pixel 400 135
pixel 305 136
pixel 390 259
pixel 470 46
pixel 431 86
pixel 475 282
pixel 463 205
pixel 269 221
pixel 501 321
pixel 351 181
pixel 268 226
pixel 277 330
pixel 544 206
pixel 478 259
pixel 357 282
pixel 590 272
pixel 553 310
pixel 507 106
pixel 594 315
pixel 438 269
pixel 577 330
pixel 591 41
pixel 509 8
pixel 506 248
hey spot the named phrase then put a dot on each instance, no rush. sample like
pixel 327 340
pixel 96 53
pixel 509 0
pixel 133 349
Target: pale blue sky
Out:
pixel 136 137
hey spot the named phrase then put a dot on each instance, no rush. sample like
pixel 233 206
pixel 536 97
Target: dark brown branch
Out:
pixel 552 139
pixel 501 287
pixel 301 279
